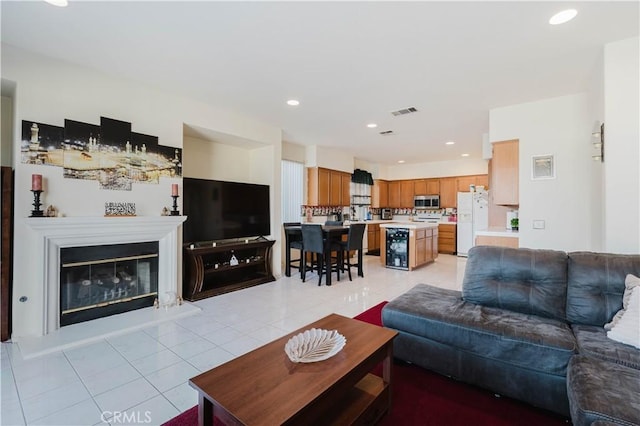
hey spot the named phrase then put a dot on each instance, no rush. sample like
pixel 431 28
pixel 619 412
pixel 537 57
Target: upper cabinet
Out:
pixel 448 192
pixel 426 186
pixel 339 188
pixel 327 187
pixel 504 173
pixel 465 182
pixel 406 193
pixel 401 193
pixel 380 194
pixel 394 194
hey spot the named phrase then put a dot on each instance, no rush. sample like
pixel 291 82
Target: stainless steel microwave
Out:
pixel 426 202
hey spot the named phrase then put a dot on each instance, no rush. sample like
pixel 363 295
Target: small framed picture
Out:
pixel 543 167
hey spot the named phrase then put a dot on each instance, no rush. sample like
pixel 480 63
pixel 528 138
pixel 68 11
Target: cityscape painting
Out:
pixel 109 153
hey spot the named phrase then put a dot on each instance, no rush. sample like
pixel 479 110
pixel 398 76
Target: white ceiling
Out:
pixel 349 63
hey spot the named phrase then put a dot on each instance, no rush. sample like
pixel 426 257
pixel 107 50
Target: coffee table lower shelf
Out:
pixel 365 404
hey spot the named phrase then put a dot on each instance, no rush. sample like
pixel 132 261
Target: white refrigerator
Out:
pixel 473 215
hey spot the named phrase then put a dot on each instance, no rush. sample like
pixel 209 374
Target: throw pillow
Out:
pixel 627 329
pixel 630 283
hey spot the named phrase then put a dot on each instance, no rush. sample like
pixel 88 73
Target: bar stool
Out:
pixel 295 242
pixel 313 242
pixel 354 242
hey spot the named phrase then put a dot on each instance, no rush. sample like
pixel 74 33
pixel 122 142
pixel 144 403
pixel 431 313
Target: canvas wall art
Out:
pixel 42 144
pixel 109 153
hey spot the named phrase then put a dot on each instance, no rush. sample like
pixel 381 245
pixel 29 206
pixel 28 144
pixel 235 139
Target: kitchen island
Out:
pixel 408 245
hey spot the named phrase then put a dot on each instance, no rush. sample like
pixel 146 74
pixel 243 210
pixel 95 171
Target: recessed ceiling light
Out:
pixel 372 125
pixel 59 3
pixel 562 17
pixel 401 161
pixel 293 102
pixel 465 155
pixel 449 143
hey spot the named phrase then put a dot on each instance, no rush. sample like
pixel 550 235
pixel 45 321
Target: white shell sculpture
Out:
pixel 314 345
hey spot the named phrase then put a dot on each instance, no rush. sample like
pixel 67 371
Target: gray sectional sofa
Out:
pixel 528 324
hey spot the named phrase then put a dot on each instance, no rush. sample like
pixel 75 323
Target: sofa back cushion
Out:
pixel 522 280
pixel 596 285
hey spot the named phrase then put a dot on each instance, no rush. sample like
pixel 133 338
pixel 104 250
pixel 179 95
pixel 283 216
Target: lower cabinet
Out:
pixel 447 237
pixel 373 238
pixel 423 246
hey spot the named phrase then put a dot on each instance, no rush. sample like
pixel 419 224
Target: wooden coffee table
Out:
pixel 263 387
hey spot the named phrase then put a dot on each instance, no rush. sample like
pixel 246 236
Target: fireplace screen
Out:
pixel 99 281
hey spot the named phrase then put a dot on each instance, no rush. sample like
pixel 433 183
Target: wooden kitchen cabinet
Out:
pixel 373 237
pixel 448 192
pixel 406 193
pixel 326 187
pixel 394 194
pixel 433 187
pixel 447 238
pixel 380 194
pixel 317 186
pixel 463 183
pixel 478 180
pixel 345 193
pixel 504 173
pixel 423 246
pixel 340 188
pixel 482 180
pixel 426 187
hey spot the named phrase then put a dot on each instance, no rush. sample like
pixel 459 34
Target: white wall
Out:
pixel 82 94
pixel 293 152
pixel 561 127
pixel 595 107
pixel 330 158
pixel 622 146
pixel 209 160
pixel 437 169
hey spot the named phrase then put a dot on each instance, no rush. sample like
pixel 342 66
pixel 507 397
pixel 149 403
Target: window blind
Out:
pixel 292 190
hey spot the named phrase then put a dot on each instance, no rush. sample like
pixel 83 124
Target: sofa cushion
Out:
pixel 602 391
pixel 522 280
pixel 528 341
pixel 593 342
pixel 596 285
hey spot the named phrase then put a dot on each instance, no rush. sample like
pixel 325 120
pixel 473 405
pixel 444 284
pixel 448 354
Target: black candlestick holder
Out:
pixel 36 212
pixel 175 211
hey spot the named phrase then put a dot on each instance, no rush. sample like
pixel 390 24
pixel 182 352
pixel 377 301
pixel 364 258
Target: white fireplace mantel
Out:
pixel 52 234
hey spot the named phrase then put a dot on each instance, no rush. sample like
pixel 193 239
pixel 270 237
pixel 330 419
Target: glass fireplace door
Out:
pixel 95 288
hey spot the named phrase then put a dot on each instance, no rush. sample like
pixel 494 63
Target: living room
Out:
pixel 582 207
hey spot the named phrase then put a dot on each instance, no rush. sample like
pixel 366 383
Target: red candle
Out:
pixel 174 190
pixel 36 182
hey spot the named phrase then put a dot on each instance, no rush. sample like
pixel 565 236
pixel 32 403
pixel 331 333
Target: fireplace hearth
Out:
pixel 99 281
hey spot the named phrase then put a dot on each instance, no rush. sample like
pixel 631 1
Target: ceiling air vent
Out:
pixel 404 111
pixel 386 132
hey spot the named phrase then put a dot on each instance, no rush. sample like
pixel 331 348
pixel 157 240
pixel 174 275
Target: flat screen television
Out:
pixel 218 210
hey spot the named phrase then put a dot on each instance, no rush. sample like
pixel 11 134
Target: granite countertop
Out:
pixel 498 232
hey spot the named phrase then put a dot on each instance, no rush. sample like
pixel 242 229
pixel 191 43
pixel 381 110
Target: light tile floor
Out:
pixel 142 377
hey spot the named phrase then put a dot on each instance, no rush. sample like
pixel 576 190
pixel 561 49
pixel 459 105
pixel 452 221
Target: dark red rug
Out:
pixel 421 397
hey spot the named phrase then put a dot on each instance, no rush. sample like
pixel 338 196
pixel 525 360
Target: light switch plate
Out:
pixel 538 224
